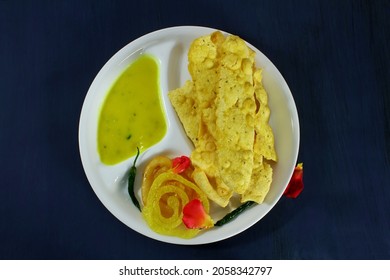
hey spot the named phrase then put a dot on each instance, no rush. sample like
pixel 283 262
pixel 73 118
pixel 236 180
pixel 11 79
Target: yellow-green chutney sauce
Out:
pixel 132 115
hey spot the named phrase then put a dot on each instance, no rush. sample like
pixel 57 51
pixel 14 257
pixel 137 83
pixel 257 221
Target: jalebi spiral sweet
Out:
pixel 166 197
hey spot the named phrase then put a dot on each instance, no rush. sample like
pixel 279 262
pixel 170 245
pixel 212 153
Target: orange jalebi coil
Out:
pixel 166 193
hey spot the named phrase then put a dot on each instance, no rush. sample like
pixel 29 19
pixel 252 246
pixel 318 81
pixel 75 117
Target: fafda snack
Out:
pixel 224 112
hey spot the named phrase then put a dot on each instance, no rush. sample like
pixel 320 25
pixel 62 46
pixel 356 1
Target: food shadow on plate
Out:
pixel 175 62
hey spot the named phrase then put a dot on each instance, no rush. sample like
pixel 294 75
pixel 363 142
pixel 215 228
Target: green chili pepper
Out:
pixel 130 188
pixel 232 215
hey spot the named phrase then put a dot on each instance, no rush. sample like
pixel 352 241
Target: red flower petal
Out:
pixel 295 186
pixel 194 216
pixel 180 164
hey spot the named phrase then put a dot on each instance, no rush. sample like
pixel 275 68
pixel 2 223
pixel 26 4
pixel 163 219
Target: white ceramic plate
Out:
pixel 170 46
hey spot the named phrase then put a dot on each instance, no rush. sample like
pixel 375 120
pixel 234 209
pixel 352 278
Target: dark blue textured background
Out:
pixel 335 56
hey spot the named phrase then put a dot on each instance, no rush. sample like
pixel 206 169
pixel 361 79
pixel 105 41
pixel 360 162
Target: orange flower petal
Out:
pixel 295 186
pixel 195 217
